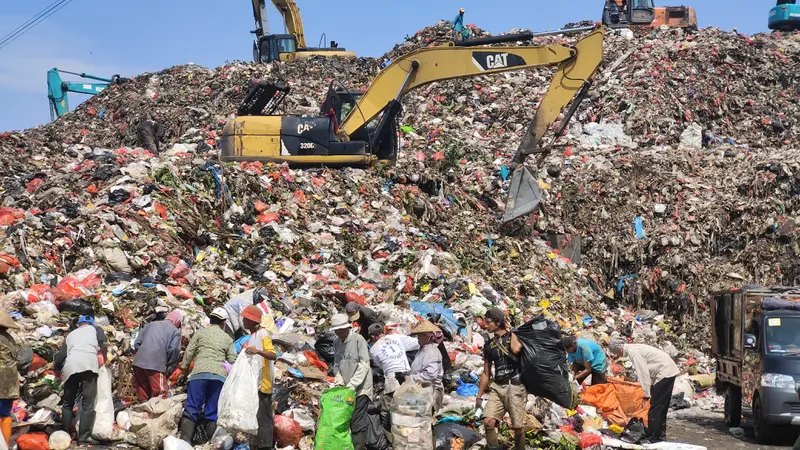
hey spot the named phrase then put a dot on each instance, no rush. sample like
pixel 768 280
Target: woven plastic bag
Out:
pixel 333 429
pixel 412 417
pixel 103 429
pixel 238 401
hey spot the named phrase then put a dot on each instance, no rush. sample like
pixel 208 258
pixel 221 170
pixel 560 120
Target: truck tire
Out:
pixel 733 406
pixel 761 429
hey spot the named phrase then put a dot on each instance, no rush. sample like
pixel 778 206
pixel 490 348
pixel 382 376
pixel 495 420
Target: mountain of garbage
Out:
pixel 678 175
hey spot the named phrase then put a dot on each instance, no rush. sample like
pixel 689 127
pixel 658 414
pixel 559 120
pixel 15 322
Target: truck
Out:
pixel 756 343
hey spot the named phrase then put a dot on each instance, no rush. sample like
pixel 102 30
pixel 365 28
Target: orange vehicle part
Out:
pixel 675 17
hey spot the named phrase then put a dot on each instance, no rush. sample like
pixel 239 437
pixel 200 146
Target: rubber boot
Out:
pixel 87 423
pixel 211 428
pixel 5 425
pixel 66 420
pixel 519 441
pixel 187 429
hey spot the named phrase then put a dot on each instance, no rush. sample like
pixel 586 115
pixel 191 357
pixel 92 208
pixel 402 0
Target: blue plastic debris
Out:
pixel 504 172
pixel 638 226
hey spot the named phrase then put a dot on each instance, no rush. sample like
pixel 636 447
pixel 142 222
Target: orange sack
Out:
pixel 618 401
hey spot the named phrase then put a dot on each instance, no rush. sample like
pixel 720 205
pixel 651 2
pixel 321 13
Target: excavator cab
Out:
pixel 785 16
pixel 269 48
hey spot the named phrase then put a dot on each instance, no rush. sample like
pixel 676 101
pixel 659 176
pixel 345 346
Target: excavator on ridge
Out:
pixel 285 47
pixel 644 13
pixel 360 129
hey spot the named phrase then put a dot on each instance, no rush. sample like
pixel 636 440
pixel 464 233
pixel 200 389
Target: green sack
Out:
pixel 333 429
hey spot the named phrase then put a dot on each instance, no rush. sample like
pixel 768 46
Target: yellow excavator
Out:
pixel 285 47
pixel 360 129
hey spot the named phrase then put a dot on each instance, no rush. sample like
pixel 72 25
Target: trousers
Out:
pixel 202 395
pixel 86 383
pixel 359 423
pixel 150 384
pixel 266 421
pixel 660 395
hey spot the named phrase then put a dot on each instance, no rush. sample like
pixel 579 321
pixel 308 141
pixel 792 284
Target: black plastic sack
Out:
pixel 78 307
pixel 24 360
pixel 376 436
pixel 325 346
pixel 544 361
pixel 444 433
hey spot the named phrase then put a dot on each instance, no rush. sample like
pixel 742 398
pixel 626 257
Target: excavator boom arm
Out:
pixel 576 66
pixel 291 18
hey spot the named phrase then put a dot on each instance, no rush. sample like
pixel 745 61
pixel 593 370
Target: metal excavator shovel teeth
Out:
pixel 524 195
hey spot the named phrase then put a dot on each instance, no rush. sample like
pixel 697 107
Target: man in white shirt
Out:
pixel 388 352
pixel 656 373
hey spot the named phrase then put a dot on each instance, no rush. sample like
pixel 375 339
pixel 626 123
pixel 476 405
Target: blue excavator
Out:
pixel 785 16
pixel 57 89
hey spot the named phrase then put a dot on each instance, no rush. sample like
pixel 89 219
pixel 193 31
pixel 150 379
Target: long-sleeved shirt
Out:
pixel 351 363
pixel 458 23
pixel 651 364
pixel 158 347
pixel 427 366
pixel 209 348
pixel 9 376
pixel 234 308
pixel 79 353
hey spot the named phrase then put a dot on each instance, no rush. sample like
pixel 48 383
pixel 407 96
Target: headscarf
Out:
pixel 437 337
pixel 175 317
pixel 616 345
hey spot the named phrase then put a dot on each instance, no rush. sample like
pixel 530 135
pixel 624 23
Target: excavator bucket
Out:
pixel 524 195
pixel 570 83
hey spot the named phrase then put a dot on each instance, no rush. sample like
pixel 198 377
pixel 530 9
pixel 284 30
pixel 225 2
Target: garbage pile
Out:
pixel 668 177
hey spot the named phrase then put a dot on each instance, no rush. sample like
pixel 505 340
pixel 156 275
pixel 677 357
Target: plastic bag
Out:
pixel 59 440
pixel 325 346
pixel 590 439
pixel 467 389
pixel 544 361
pixel 376 437
pixel 287 431
pixel 238 401
pixel 103 429
pixel 412 417
pixel 333 429
pixel 173 443
pixel 445 434
pixel 155 419
pixel 221 440
pixel 33 441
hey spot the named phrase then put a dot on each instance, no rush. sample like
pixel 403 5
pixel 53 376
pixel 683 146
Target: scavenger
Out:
pixel 656 373
pixel 260 344
pixel 364 317
pixel 587 358
pixel 78 361
pixel 9 374
pixel 506 392
pixel 351 368
pixel 158 347
pixel 427 367
pixel 209 348
pixel 388 352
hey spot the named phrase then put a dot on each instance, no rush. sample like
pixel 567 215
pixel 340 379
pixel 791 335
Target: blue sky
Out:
pixel 130 37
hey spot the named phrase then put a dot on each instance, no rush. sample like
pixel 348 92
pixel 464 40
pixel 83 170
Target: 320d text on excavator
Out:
pixel 367 134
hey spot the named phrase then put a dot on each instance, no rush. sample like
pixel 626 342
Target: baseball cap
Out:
pixel 375 329
pixel 353 310
pixel 86 319
pixel 496 315
pixel 219 313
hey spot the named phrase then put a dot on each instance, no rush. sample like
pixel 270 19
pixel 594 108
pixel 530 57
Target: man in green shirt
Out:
pixel 209 348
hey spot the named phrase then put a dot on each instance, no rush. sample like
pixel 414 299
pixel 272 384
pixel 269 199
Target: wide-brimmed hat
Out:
pixel 6 320
pixel 252 313
pixel 426 326
pixel 340 322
